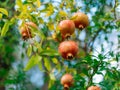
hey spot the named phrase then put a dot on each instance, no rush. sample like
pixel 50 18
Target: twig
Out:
pixel 114 9
pixel 93 39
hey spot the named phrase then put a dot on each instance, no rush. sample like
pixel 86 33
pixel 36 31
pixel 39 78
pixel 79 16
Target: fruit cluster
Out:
pixel 68 49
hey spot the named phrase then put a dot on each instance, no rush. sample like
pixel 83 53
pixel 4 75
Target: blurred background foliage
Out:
pixel 35 64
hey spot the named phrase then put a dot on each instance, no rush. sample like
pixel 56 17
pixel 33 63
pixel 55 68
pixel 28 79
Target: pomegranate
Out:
pixel 26 30
pixel 66 28
pixel 80 20
pixel 67 81
pixel 68 49
pixel 94 88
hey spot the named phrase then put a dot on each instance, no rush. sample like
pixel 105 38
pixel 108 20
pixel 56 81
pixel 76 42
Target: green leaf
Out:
pixel 38 45
pixel 49 53
pixel 0 16
pixel 50 26
pixel 5 28
pixel 29 50
pixel 51 83
pixel 100 73
pixel 37 32
pixel 35 49
pixel 49 10
pixel 19 4
pixel 40 66
pixel 55 60
pixel 47 64
pixel 35 59
pixel 52 76
pixel 101 57
pixel 58 66
pixel 12 21
pixel 74 17
pixel 62 13
pixel 41 20
pixel 69 70
pixel 4 11
pixel 41 34
pixel 38 3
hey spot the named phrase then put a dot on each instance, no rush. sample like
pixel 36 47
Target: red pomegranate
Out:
pixel 66 28
pixel 80 20
pixel 26 30
pixel 67 81
pixel 68 49
pixel 94 88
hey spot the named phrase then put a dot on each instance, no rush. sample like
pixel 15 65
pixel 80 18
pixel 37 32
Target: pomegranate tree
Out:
pixel 80 20
pixel 68 49
pixel 67 81
pixel 66 28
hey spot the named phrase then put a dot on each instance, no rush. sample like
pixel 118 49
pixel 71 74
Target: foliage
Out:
pixel 42 50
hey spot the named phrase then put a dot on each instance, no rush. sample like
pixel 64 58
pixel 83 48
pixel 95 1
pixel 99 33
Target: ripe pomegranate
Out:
pixel 68 49
pixel 67 81
pixel 66 28
pixel 80 20
pixel 26 30
pixel 94 88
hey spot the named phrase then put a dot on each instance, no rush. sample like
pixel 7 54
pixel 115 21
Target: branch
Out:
pixel 93 40
pixel 114 9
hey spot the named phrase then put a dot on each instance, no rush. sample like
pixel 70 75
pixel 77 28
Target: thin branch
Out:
pixel 93 39
pixel 114 9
